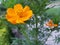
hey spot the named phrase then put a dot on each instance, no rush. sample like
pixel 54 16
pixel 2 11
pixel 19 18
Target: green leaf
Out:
pixel 9 3
pixel 54 14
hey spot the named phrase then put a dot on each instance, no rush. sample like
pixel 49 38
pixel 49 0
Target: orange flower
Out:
pixel 18 14
pixel 51 24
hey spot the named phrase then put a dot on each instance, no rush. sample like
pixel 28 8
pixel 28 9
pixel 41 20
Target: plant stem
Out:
pixel 36 38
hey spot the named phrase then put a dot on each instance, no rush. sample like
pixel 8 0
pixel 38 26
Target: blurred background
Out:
pixel 34 32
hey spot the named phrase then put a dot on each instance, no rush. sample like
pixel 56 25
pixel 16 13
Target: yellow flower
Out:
pixel 18 14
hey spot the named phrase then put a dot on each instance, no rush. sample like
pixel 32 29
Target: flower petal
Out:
pixel 27 15
pixel 19 21
pixel 12 20
pixel 26 8
pixel 11 12
pixel 18 8
pixel 55 25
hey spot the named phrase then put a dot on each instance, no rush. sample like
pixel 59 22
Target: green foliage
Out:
pixel 4 36
pixel 9 3
pixel 54 14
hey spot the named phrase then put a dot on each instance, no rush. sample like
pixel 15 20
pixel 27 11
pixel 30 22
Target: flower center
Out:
pixel 20 14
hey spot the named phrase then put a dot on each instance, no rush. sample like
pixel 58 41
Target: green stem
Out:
pixel 26 37
pixel 36 38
